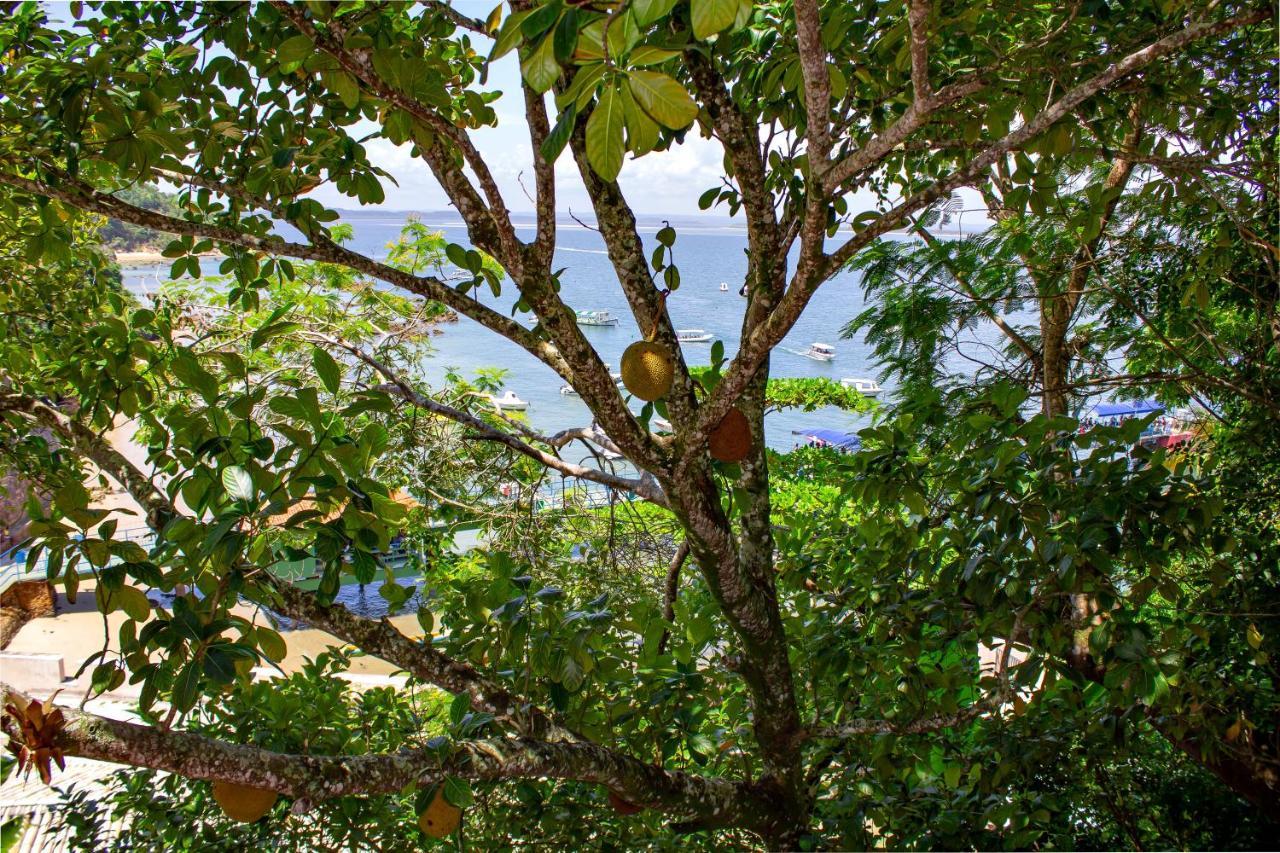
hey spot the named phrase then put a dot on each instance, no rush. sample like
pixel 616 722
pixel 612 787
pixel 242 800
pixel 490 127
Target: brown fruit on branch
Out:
pixel 440 818
pixel 243 802
pixel 730 441
pixel 647 370
pixel 621 806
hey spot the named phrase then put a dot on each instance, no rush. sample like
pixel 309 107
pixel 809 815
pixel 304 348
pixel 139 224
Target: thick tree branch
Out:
pixel 377 637
pixel 918 24
pixel 313 778
pixel 817 82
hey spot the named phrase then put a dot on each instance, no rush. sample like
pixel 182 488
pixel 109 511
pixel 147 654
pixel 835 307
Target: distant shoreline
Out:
pixel 145 259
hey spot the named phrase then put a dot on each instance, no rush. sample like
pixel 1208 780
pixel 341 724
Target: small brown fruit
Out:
pixel 621 806
pixel 647 370
pixel 731 440
pixel 243 802
pixel 440 818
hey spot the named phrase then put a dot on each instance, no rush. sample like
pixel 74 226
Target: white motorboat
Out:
pixel 821 352
pixel 724 287
pixel 567 390
pixel 693 336
pixel 865 387
pixel 595 318
pixel 508 402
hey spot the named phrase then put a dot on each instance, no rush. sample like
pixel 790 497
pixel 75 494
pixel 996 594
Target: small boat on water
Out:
pixel 508 402
pixel 821 352
pixel 693 336
pixel 595 318
pixel 567 390
pixel 865 387
pixel 724 287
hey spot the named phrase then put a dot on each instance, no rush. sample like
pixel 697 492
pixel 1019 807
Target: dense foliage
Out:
pixel 993 626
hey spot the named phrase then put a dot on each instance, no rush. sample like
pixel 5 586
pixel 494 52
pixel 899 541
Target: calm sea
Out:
pixel 707 253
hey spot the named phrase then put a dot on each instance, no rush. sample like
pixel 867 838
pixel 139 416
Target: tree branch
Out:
pixel 312 778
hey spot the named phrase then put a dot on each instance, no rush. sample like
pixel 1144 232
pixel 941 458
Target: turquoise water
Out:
pixel 707 254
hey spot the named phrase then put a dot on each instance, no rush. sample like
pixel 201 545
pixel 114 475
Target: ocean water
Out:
pixel 707 252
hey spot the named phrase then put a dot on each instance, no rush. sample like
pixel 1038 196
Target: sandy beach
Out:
pixel 79 630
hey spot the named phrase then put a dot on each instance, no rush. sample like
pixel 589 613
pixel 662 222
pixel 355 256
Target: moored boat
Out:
pixel 865 387
pixel 595 318
pixel 693 336
pixel 508 402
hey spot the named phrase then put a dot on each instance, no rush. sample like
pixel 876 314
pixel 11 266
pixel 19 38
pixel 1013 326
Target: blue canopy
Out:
pixel 835 438
pixel 1138 407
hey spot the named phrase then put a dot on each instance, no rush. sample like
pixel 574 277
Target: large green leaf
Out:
pixel 540 68
pixel 604 135
pixel 648 11
pixel 712 16
pixel 327 369
pixel 642 131
pixel 665 100
pixel 293 52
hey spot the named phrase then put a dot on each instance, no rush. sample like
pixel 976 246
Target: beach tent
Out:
pixel 1127 410
pixel 832 438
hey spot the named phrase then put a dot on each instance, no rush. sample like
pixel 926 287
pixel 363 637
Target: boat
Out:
pixel 724 287
pixel 693 336
pixel 595 318
pixel 567 390
pixel 508 402
pixel 865 387
pixel 821 352
pixel 660 423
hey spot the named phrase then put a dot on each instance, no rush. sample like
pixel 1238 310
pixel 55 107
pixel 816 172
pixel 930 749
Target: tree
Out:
pixel 246 108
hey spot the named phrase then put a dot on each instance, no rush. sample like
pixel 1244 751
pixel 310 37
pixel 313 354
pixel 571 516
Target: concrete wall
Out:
pixel 32 670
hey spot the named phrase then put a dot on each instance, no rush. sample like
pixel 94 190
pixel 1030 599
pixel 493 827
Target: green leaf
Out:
pixel 642 132
pixel 665 100
pixel 566 35
pixel 134 602
pixel 345 87
pixel 649 55
pixel 604 135
pixel 712 16
pixel 293 52
pixel 540 68
pixel 458 792
pixel 219 666
pixel 186 687
pixel 327 369
pixel 648 11
pixel 559 135
pixel 509 36
pixel 271 643
pixel 238 483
